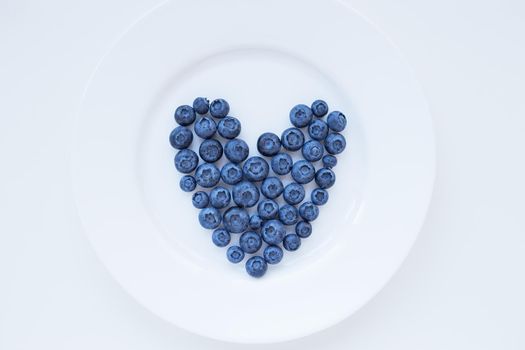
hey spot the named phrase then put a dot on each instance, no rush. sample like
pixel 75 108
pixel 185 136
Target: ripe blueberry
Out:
pixel 181 137
pixel 207 175
pixel 255 169
pixel 186 161
pixel 281 163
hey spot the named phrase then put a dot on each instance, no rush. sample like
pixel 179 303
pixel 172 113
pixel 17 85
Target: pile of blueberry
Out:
pixel 258 220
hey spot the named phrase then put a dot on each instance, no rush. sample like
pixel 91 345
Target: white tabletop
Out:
pixel 462 285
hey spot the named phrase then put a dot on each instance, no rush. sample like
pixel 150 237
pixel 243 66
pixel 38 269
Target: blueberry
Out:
pixel 236 150
pixel 210 150
pixel 335 143
pixel 231 173
pixel 267 209
pixel 188 183
pixel 210 218
pixel 219 108
pixel 303 229
pixel 207 175
pixel 313 151
pixel 301 116
pixel 288 214
pixel 250 242
pixel 318 129
pixel 281 163
pixel 319 108
pixel 291 242
pixel 186 161
pixel 294 193
pixel 181 137
pixel 201 105
pixel 292 139
pixel 273 232
pixel 229 127
pixel 255 222
pixel 255 169
pixel 309 211
pixel 272 187
pixel 319 196
pixel 245 194
pixel 303 172
pixel 220 237
pixel 329 161
pixel 205 127
pixel 324 178
pixel 256 266
pixel 236 220
pixel 273 254
pixel 336 121
pixel 200 199
pixel 220 197
pixel 268 144
pixel 184 115
pixel 235 254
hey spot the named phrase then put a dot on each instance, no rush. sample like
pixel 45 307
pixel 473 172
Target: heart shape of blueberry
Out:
pixel 241 197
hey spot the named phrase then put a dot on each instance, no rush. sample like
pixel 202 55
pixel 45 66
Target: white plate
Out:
pixel 263 57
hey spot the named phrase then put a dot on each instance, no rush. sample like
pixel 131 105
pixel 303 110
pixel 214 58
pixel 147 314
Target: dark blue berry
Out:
pixel 255 169
pixel 325 178
pixel 309 211
pixel 313 151
pixel 236 150
pixel 250 242
pixel 273 232
pixel 303 229
pixel 301 116
pixel 245 194
pixel 210 218
pixel 219 108
pixel 186 161
pixel 201 105
pixel 272 187
pixel 235 254
pixel 268 209
pixel 268 144
pixel 210 150
pixel 336 121
pixel 200 199
pixel 292 139
pixel 255 222
pixel 291 242
pixel 181 137
pixel 329 161
pixel 207 175
pixel 294 193
pixel 256 266
pixel 231 173
pixel 273 254
pixel 318 129
pixel 282 163
pixel 220 197
pixel 229 127
pixel 236 220
pixel 288 214
pixel 319 196
pixel 319 108
pixel 205 127
pixel 188 183
pixel 335 143
pixel 220 237
pixel 303 172
pixel 184 115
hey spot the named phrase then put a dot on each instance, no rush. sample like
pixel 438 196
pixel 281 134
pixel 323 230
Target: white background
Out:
pixel 463 284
